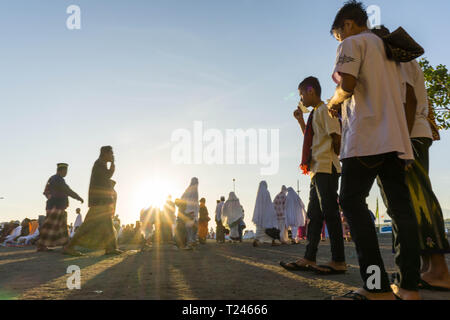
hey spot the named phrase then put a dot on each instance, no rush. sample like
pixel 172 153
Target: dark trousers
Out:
pixel 358 175
pixel 322 206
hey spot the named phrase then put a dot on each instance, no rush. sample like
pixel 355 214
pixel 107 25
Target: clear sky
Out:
pixel 139 70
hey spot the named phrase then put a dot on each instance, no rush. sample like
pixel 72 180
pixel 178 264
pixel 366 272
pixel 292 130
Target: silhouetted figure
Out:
pixel 203 222
pixel 97 230
pixel 54 231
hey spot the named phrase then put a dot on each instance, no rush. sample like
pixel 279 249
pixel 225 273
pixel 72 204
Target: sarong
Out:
pixel 202 230
pixel 432 236
pixel 54 232
pixel 220 235
pixel 97 231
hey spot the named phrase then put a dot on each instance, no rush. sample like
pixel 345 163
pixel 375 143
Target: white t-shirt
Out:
pixel 323 156
pixel 374 120
pixel 413 75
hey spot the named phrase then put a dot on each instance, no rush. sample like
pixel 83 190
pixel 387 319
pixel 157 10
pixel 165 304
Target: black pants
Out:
pixel 358 175
pixel 323 206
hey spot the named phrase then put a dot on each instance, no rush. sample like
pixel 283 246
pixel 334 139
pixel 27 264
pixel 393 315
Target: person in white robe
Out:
pixel 279 204
pixel 295 213
pixel 77 223
pixel 190 196
pixel 232 214
pixel 264 216
pixel 29 238
pixel 13 235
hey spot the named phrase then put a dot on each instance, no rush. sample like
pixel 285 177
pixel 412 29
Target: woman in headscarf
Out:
pixel 190 198
pixel 232 215
pixel 295 212
pixel 265 218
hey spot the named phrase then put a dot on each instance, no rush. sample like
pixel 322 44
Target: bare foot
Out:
pixel 436 280
pixel 71 252
pixel 305 262
pixel 276 243
pixel 337 265
pixel 405 294
pixel 369 295
pixel 43 249
pixel 114 252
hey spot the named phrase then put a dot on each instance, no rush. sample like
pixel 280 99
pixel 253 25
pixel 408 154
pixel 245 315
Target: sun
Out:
pixel 152 193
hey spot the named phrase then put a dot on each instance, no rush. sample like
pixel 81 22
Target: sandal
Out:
pixel 331 271
pixel 114 252
pixel 293 266
pixel 352 295
pixel 72 252
pixel 426 286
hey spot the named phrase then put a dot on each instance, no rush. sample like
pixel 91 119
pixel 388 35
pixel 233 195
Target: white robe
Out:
pixel 295 210
pixel 14 234
pixel 78 221
pixel 219 211
pixel 27 239
pixel 264 215
pixel 231 210
pixel 191 198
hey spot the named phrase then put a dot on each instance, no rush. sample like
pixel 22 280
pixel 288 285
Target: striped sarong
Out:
pixel 54 232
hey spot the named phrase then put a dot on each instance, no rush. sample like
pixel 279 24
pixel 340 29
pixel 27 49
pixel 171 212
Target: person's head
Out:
pixel 222 198
pixel 61 169
pixel 218 201
pixel 194 181
pixel 310 91
pixel 202 201
pixel 78 210
pixel 350 20
pixel 283 189
pixel 106 153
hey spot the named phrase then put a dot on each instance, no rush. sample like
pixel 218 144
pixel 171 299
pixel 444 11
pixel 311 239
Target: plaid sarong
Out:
pixel 54 231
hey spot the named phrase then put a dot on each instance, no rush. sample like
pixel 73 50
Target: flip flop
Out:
pixel 352 295
pixel 73 253
pixel 293 266
pixel 426 286
pixel 330 272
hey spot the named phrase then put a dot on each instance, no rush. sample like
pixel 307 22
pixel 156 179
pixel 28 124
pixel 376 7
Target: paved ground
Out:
pixel 212 271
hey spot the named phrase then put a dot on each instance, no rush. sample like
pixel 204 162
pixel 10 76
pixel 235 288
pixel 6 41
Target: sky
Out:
pixel 137 71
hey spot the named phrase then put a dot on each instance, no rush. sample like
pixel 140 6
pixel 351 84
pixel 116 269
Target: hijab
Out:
pixel 264 215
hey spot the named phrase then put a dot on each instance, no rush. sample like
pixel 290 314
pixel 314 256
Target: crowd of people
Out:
pixel 378 126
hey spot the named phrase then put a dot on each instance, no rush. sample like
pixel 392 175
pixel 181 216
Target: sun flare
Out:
pixel 153 193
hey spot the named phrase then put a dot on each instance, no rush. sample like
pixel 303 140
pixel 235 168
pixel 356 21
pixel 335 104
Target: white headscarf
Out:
pixel 191 198
pixel 264 215
pixel 295 210
pixel 231 210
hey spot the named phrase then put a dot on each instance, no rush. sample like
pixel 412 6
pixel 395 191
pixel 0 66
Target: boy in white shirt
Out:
pixel 375 142
pixel 320 159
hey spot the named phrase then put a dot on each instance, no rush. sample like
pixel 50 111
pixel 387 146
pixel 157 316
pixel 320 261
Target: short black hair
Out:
pixel 312 82
pixel 352 10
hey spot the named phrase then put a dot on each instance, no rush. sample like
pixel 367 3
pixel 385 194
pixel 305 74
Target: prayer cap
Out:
pixel 105 149
pixel 62 165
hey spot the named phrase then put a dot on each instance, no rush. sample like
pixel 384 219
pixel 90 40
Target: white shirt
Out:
pixel 322 153
pixel 219 211
pixel 413 75
pixel 374 120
